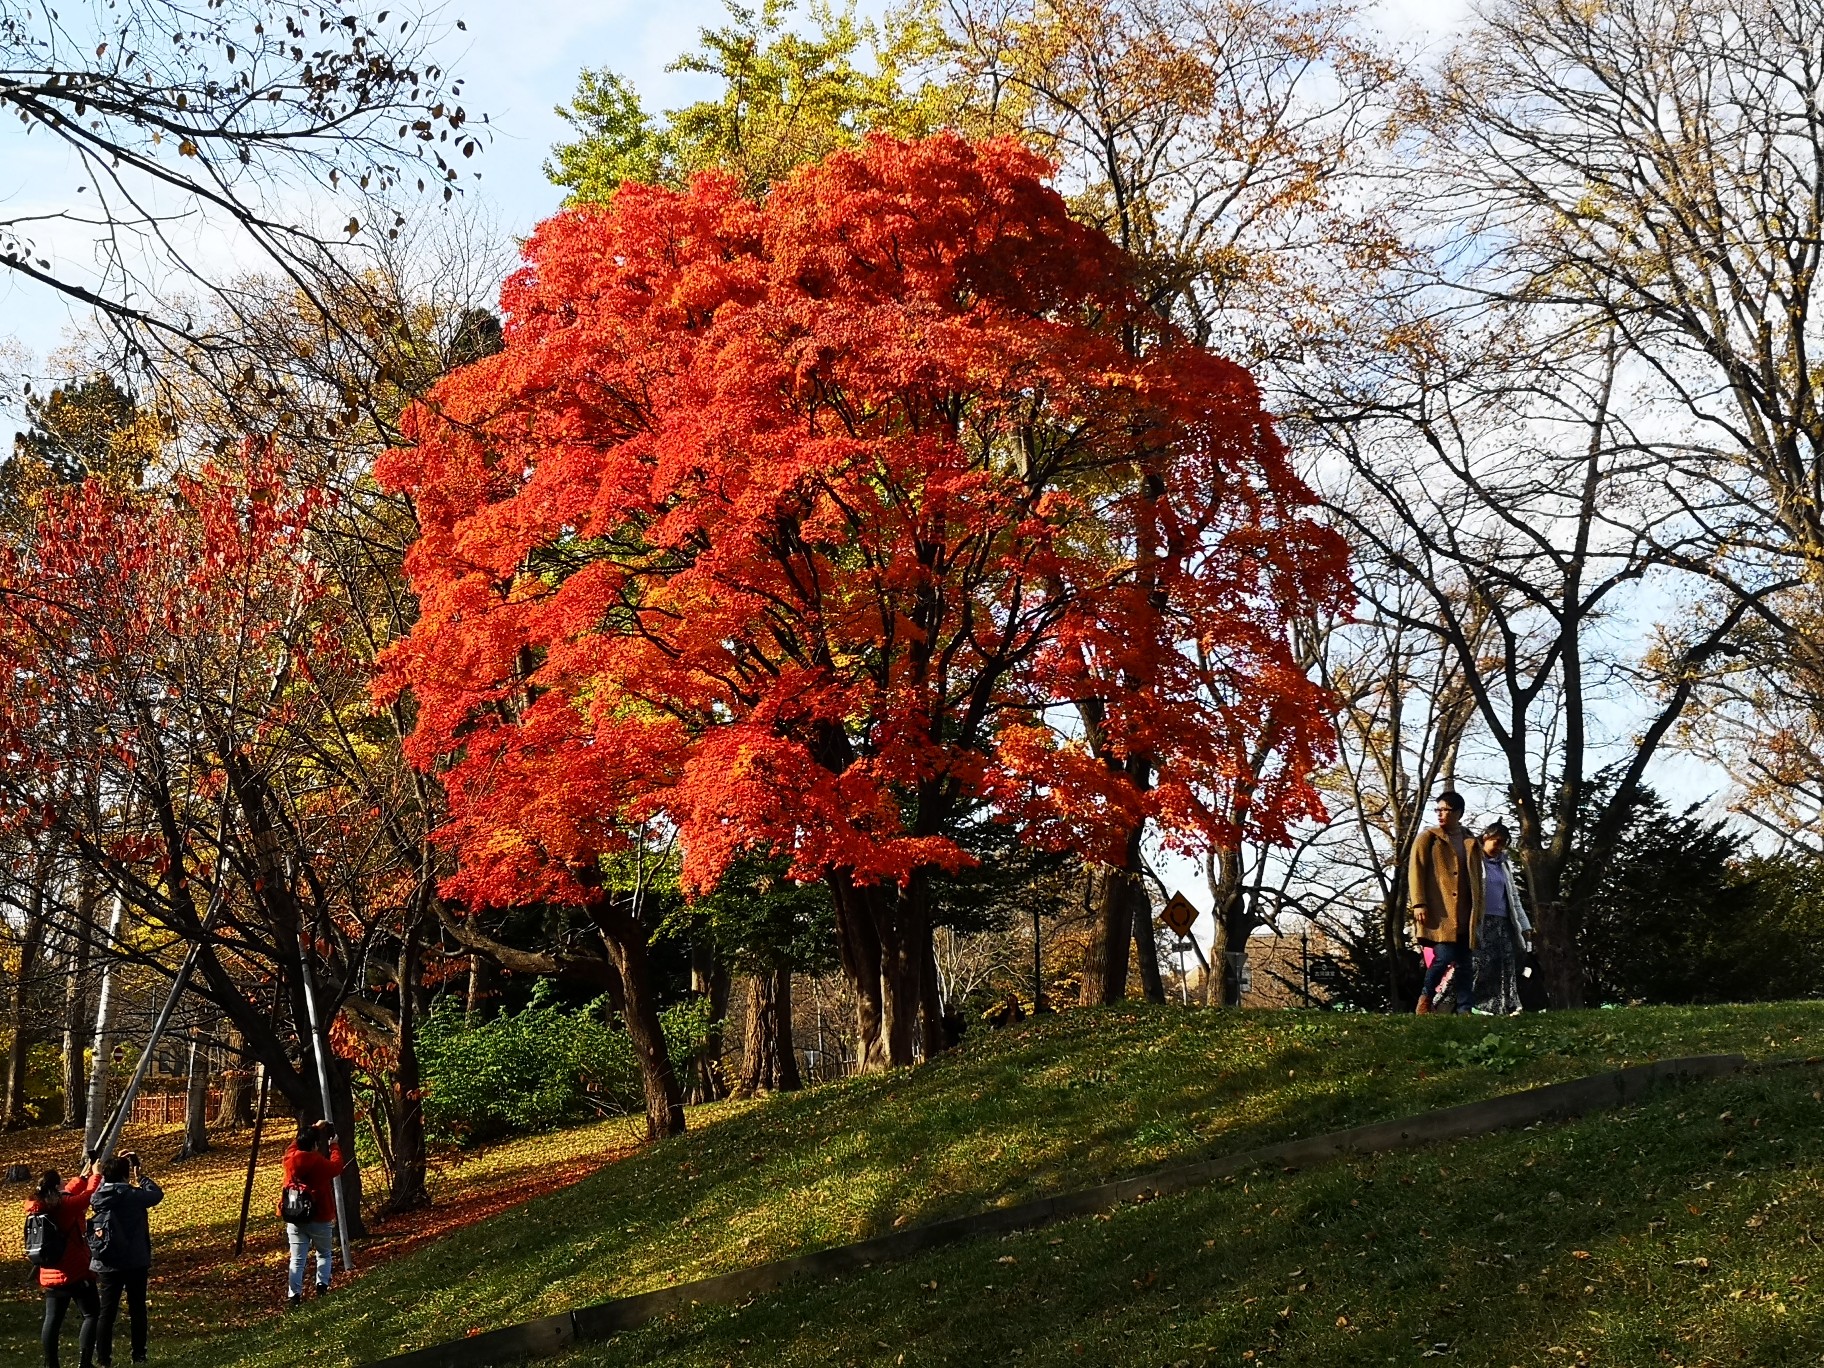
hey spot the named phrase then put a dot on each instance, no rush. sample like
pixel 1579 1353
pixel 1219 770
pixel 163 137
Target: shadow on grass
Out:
pixel 1055 1105
pixel 1682 1232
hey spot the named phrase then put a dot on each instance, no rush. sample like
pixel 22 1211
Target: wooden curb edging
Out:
pixel 552 1334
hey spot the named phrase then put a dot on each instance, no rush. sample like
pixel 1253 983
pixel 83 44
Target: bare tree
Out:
pixel 1655 169
pixel 1507 484
pixel 1403 710
pixel 172 114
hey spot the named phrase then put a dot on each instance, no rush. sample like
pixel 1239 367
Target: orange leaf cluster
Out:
pixel 811 523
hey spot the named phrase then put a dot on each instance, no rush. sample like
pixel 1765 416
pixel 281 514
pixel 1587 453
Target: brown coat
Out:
pixel 1444 886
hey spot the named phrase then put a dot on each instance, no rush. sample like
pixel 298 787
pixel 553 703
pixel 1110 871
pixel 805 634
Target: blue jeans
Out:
pixel 1463 986
pixel 301 1239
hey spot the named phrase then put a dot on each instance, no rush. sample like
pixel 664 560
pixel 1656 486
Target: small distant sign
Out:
pixel 1179 914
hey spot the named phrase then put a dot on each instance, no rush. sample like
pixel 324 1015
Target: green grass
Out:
pixel 1051 1106
pixel 1682 1232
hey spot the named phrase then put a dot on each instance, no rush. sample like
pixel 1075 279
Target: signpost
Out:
pixel 1179 916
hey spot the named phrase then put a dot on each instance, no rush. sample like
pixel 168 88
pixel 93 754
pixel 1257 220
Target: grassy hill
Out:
pixel 1683 1232
pixel 1408 1253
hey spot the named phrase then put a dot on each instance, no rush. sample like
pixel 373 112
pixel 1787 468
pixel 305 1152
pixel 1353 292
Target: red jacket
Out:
pixel 311 1170
pixel 69 1212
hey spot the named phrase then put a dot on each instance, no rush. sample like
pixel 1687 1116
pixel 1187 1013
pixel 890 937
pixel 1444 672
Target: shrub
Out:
pixel 539 1068
pixel 523 1071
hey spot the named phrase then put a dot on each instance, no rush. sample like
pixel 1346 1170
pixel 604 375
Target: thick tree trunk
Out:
pixel 1555 930
pixel 406 1113
pixel 768 1061
pixel 342 1098
pixel 1560 956
pixel 237 1098
pixel 76 1006
pixel 196 1100
pixel 902 979
pixel 858 946
pixel 709 980
pixel 238 1083
pixel 1111 931
pixel 884 936
pixel 1146 943
pixel 625 938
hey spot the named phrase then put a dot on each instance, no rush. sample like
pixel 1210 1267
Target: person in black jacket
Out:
pixel 120 1241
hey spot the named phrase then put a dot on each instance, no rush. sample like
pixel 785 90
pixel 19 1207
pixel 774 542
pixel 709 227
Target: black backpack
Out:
pixel 44 1240
pixel 295 1206
pixel 100 1232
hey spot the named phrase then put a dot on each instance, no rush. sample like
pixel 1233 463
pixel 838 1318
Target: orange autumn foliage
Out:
pixel 804 522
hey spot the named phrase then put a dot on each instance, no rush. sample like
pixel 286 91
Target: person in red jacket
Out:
pixel 71 1280
pixel 308 1168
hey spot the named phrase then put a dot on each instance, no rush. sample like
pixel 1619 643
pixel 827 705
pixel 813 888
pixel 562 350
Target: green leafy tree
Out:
pixel 764 927
pixel 1681 916
pixel 89 427
pixel 788 97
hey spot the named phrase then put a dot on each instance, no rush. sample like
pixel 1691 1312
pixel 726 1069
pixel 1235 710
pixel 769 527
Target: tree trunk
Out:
pixel 1555 930
pixel 884 937
pixel 1146 942
pixel 238 1086
pixel 100 1055
pixel 709 980
pixel 768 1061
pixel 483 988
pixel 626 940
pixel 902 978
pixel 31 941
pixel 196 1100
pixel 934 1038
pixel 406 1113
pixel 75 1006
pixel 858 946
pixel 342 1098
pixel 1111 931
pixel 12 1107
pixel 1560 958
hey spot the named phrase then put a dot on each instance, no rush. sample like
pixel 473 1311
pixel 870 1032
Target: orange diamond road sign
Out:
pixel 1179 914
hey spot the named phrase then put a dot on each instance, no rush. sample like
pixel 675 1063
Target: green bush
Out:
pixel 523 1071
pixel 539 1068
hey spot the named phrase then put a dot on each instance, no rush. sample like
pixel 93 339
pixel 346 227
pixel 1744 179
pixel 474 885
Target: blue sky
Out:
pixel 519 58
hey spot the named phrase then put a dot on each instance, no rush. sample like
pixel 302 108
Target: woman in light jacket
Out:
pixel 1502 928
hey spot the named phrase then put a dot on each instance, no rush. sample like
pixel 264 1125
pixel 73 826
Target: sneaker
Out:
pixel 293 1301
pixel 1484 1011
pixel 1424 1007
pixel 322 1289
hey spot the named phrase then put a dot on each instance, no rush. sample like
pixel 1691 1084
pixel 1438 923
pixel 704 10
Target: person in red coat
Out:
pixel 307 1167
pixel 71 1280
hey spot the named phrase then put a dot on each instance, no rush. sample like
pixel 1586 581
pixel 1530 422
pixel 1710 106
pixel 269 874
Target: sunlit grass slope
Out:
pixel 1685 1231
pixel 1048 1106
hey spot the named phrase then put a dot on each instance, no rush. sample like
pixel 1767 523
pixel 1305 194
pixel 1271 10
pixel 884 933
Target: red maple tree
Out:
pixel 178 694
pixel 815 523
